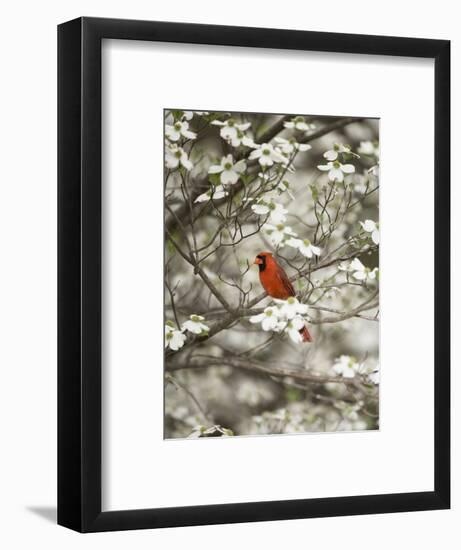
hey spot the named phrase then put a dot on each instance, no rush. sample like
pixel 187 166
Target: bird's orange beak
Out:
pixel 258 261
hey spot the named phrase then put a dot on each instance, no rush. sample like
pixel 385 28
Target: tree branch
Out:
pixel 235 314
pixel 201 361
pixel 198 270
pixel 268 135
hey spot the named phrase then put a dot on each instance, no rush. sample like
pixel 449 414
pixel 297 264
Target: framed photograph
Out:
pixel 254 274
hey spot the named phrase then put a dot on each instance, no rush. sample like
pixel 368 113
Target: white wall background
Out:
pixel 28 274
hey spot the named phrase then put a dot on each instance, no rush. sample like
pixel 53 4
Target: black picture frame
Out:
pixel 79 274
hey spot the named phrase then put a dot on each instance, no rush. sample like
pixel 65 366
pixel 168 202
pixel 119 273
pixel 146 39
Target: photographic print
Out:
pixel 271 274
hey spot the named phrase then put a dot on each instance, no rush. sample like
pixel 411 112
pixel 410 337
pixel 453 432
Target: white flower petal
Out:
pixel 202 198
pixel 248 142
pixel 186 163
pixel 269 323
pixel 215 169
pixel 257 318
pixel 260 209
pixel 348 168
pixel 240 166
pixel 228 133
pixel 330 155
pixel 171 133
pixel 360 275
pixel 243 126
pixel 188 134
pixel 171 161
pixel 302 126
pixel 278 216
pixel 229 177
pixel 336 174
pixel 295 336
pixel 295 243
pixel 357 265
pixel 255 154
pixel 265 160
pixel 368 225
pixel 298 322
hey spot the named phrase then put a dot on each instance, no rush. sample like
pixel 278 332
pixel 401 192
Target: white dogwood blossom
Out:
pixel 287 317
pixel 174 338
pixel 234 133
pixel 269 319
pixel 278 233
pixel 188 115
pixel 175 156
pixel 299 123
pixel 242 139
pixel 214 193
pixel 229 171
pixel 305 247
pixel 336 170
pixel 373 376
pixel 339 148
pixel 374 170
pixel 262 209
pixel 229 127
pixel 195 325
pixel 347 366
pixel 178 129
pixel 293 327
pixel 277 212
pixel 362 273
pixel 369 372
pixel 360 183
pixel 284 186
pixel 267 155
pixel 369 148
pixel 371 227
pixel 289 146
pixel 291 307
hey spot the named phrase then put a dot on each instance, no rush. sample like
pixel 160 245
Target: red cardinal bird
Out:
pixel 276 283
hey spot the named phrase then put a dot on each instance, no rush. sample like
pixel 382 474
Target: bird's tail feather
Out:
pixel 306 335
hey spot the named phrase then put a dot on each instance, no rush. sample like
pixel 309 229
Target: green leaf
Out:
pixel 170 247
pixel 315 192
pixel 177 115
pixel 293 394
pixel 215 179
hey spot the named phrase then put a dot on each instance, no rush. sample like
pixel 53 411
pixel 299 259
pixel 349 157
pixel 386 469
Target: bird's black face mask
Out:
pixel 261 262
